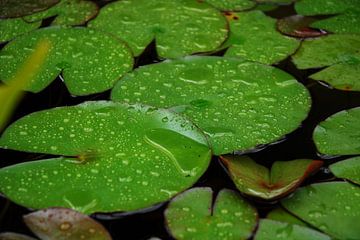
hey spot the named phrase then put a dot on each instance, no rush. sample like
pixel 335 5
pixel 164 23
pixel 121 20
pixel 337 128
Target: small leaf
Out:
pixel 13 27
pixel 64 224
pixel 256 180
pixel 339 134
pixel 179 27
pixel 331 207
pixel 11 9
pixel 270 230
pixel 232 5
pixel 298 26
pixel 280 215
pixel 89 61
pixel 14 236
pixel 191 215
pixel 348 169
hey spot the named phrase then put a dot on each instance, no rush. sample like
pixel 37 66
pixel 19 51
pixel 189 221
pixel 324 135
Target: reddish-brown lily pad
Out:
pixel 19 8
pixel 258 181
pixel 299 26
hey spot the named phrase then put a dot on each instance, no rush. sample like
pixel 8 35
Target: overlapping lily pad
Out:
pixel 339 134
pixel 256 180
pixel 253 36
pixel 348 169
pixel 280 215
pixel 62 223
pixel 195 215
pixel 340 52
pixel 115 157
pixel 67 12
pixel 14 236
pixel 239 105
pixel 89 61
pixel 331 207
pixel 179 27
pixel 270 230
pixel 12 27
pixel 232 5
pixel 19 8
pixel 298 26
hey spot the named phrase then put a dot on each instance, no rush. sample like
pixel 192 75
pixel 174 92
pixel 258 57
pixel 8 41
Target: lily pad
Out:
pixel 276 1
pixel 13 27
pixel 67 13
pixel 270 230
pixel 14 236
pixel 348 169
pixel 116 157
pixel 253 36
pixel 232 5
pixel 298 26
pixel 195 215
pixel 256 180
pixel 339 134
pixel 331 207
pixel 11 8
pixel 280 215
pixel 239 105
pixel 89 61
pixel 340 52
pixel 62 223
pixel 179 27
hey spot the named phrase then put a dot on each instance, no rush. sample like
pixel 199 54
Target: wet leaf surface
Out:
pixel 232 5
pixel 270 230
pixel 179 27
pixel 13 27
pixel 348 169
pixel 89 61
pixel 340 52
pixel 339 134
pixel 256 180
pixel 195 215
pixel 14 236
pixel 298 26
pixel 276 1
pixel 218 94
pixel 116 157
pixel 64 224
pixel 331 207
pixel 253 36
pixel 280 215
pixel 11 9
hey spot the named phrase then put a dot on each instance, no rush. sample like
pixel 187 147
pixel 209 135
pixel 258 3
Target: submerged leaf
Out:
pixel 195 215
pixel 13 27
pixel 256 180
pixel 89 61
pixel 332 207
pixel 64 224
pixel 339 134
pixel 220 93
pixel 116 157
pixel 298 26
pixel 348 169
pixel 19 8
pixel 179 27
pixel 232 5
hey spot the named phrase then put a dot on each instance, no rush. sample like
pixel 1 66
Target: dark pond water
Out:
pixel 144 225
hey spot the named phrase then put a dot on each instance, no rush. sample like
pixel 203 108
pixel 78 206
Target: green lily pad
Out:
pixel 179 27
pixel 276 1
pixel 298 26
pixel 116 157
pixel 340 52
pixel 232 5
pixel 13 27
pixel 339 134
pixel 67 13
pixel 280 215
pixel 11 9
pixel 220 93
pixel 348 22
pixel 348 169
pixel 256 180
pixel 89 61
pixel 332 207
pixel 14 236
pixel 270 230
pixel 62 223
pixel 195 215
pixel 253 36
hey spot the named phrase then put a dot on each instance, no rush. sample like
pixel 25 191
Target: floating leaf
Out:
pixel 179 27
pixel 62 223
pixel 232 5
pixel 116 157
pixel 67 12
pixel 332 207
pixel 344 23
pixel 13 27
pixel 276 1
pixel 280 215
pixel 256 180
pixel 339 134
pixel 298 26
pixel 253 36
pixel 14 236
pixel 11 8
pixel 220 93
pixel 340 52
pixel 348 169
pixel 89 61
pixel 270 230
pixel 195 215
